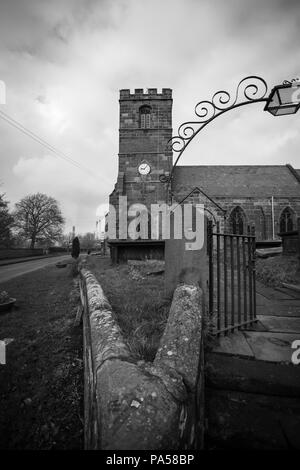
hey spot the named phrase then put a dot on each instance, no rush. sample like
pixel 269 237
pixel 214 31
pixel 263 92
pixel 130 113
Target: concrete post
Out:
pixel 185 266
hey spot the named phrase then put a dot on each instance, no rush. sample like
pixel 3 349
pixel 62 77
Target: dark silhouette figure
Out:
pixel 75 248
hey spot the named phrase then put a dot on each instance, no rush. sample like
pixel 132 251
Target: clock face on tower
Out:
pixel 144 168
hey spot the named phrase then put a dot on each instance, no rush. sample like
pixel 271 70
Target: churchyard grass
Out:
pixel 136 294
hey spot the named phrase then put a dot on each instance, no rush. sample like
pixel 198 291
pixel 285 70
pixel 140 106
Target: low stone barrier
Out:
pixel 131 405
pixel 291 242
pixel 19 252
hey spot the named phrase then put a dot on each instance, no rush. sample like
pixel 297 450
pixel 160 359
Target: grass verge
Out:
pixel 275 270
pixel 41 386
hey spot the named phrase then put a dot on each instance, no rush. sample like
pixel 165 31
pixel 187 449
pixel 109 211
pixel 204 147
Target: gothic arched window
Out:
pixel 286 223
pixel 237 219
pixel 260 223
pixel 145 117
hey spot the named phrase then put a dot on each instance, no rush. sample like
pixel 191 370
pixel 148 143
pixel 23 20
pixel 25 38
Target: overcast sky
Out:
pixel 64 62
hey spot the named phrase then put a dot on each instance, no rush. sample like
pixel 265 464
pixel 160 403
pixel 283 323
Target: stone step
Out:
pixel 238 420
pixel 292 287
pixel 274 344
pixel 246 374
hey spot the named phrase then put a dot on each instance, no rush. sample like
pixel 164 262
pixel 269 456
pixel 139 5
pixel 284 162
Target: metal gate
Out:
pixel 232 289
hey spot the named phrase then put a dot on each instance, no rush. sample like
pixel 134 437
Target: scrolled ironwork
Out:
pixel 250 89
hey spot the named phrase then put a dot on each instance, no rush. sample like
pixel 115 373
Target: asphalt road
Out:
pixel 14 270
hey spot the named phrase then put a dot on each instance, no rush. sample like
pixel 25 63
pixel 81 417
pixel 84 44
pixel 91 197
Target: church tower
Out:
pixel 144 132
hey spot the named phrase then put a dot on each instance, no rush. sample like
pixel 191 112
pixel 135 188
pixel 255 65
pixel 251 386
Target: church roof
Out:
pixel 238 180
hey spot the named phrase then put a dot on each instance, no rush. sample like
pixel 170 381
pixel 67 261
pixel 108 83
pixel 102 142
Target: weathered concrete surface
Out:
pixel 144 405
pixel 270 346
pixel 281 324
pixel 180 343
pixel 235 344
pixel 184 266
pixel 136 409
pixel 107 340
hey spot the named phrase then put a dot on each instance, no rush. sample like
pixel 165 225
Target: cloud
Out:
pixel 78 195
pixel 64 62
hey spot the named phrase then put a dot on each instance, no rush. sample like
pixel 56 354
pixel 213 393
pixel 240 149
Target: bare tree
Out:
pixel 6 221
pixel 39 218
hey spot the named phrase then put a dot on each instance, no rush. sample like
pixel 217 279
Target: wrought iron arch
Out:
pixel 251 89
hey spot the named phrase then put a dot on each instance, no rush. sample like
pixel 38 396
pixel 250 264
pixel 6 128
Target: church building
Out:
pixel 235 196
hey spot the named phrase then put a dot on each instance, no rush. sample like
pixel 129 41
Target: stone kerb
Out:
pixel 144 405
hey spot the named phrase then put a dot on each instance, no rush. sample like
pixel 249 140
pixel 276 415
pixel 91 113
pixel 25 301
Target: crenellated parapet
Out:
pixel 146 94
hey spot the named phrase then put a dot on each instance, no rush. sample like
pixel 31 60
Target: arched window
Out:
pixel 260 224
pixel 237 221
pixel 145 117
pixel 286 222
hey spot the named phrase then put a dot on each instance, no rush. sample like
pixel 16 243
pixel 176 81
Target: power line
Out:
pixel 43 142
pixel 35 137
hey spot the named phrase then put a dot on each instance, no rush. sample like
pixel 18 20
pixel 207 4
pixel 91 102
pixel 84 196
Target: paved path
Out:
pixel 13 270
pixel 278 326
pixel 252 386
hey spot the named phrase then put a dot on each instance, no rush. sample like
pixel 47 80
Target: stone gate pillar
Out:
pixel 185 264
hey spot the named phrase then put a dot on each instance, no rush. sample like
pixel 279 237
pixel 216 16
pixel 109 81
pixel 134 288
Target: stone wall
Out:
pixel 138 405
pixel 252 208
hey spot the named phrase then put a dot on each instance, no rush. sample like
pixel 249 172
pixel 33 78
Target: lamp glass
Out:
pixel 285 110
pixel 289 95
pixel 283 100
